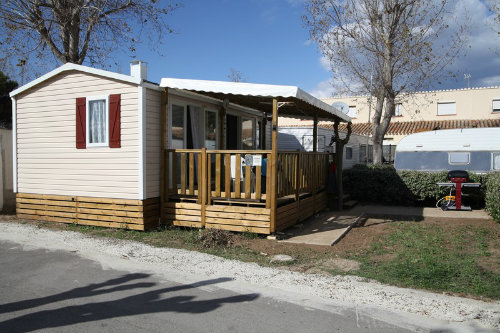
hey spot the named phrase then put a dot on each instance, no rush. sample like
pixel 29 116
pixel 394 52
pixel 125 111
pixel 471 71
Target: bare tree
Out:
pixel 79 30
pixel 404 44
pixel 236 76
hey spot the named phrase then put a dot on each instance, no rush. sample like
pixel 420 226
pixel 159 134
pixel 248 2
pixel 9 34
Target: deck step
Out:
pixel 349 204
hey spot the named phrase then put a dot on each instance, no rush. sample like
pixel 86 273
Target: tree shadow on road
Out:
pixel 144 303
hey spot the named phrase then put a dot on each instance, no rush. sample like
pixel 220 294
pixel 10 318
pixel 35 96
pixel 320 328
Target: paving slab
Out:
pixel 416 212
pixel 326 228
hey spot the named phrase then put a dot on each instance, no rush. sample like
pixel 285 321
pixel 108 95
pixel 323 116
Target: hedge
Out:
pixel 492 196
pixel 384 185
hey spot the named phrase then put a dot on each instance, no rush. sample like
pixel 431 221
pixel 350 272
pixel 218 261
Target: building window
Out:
pixel 210 129
pixel 459 158
pixel 398 110
pixel 97 120
pixel 446 108
pixel 178 126
pixel 348 153
pixel 247 133
pixel 496 105
pixel 495 161
pixel 353 113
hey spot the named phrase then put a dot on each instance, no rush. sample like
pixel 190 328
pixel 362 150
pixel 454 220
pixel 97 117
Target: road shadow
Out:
pixel 149 302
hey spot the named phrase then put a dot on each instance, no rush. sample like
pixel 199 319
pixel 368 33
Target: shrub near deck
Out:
pixel 384 185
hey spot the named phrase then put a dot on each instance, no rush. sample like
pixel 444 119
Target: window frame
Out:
pixel 353 107
pixel 352 153
pixel 493 110
pixel 170 118
pixel 493 161
pixel 87 120
pixel 205 110
pixel 400 110
pixel 446 102
pixel 458 152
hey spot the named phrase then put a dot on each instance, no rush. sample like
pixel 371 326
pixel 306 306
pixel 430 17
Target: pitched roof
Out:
pixel 409 127
pixel 74 67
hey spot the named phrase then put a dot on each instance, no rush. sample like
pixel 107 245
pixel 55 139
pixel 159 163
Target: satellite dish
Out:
pixel 342 107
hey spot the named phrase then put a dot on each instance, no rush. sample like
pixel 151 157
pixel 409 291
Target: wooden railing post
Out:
pixel 297 177
pixel 203 184
pixel 274 167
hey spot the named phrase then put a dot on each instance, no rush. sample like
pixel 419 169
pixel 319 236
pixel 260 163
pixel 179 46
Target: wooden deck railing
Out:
pixel 226 176
pixel 301 172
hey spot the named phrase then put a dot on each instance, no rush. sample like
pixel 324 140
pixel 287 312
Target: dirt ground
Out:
pixel 360 239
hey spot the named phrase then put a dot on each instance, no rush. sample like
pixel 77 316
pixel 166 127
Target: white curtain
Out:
pixel 97 121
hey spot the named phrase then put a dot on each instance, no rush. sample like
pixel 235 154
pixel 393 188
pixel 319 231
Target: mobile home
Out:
pixel 101 148
pixel 471 149
pixel 301 138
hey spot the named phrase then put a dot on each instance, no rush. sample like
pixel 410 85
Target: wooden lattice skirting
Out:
pixel 104 212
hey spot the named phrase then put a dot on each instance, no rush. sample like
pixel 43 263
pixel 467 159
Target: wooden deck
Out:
pixel 215 189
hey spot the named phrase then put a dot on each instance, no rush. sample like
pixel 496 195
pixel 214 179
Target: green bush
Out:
pixel 384 185
pixel 492 196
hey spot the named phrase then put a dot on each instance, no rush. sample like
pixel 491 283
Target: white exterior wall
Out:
pixel 47 159
pixel 474 103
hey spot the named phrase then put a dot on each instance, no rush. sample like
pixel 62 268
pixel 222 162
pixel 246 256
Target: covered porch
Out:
pixel 260 190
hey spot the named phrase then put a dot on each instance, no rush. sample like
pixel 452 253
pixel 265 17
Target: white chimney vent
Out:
pixel 139 69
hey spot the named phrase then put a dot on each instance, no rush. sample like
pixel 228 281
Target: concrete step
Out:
pixel 349 204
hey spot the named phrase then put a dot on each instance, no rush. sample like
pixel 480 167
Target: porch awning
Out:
pixel 296 102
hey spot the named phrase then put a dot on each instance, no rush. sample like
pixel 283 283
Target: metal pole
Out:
pixel 369 113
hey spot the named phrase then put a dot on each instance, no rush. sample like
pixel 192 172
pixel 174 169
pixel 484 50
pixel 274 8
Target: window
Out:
pixel 247 133
pixel 459 158
pixel 398 110
pixel 97 120
pixel 496 105
pixel 495 161
pixel 348 153
pixel 353 113
pixel 210 129
pixel 446 108
pixel 178 126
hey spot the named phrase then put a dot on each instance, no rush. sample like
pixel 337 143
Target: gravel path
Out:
pixel 333 292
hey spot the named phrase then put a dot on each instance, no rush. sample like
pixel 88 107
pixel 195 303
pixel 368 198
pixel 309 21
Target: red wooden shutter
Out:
pixel 81 104
pixel 114 121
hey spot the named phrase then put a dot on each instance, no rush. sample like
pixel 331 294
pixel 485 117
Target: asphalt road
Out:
pixel 42 291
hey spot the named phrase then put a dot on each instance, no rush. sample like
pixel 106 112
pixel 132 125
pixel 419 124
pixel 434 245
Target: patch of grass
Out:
pixel 430 257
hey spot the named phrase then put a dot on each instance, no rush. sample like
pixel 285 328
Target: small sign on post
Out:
pixel 253 160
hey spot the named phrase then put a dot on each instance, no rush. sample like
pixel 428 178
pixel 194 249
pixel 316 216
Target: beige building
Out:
pixel 428 110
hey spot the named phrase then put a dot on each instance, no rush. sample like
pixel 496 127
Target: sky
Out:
pixel 267 42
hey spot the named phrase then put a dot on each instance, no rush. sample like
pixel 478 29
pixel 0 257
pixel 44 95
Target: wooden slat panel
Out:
pixel 183 173
pixel 185 205
pixel 268 181
pixel 248 179
pixel 238 216
pixel 190 224
pixel 191 173
pixel 175 177
pixel 249 223
pixel 258 182
pixel 180 217
pixel 256 230
pixel 209 180
pixel 217 175
pixel 237 179
pixel 195 212
pixel 237 209
pixel 227 180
